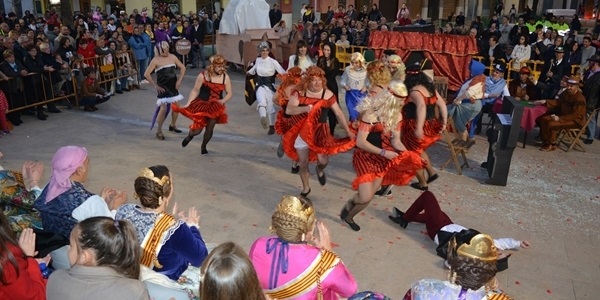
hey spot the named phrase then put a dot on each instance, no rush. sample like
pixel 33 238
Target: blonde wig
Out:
pixel 378 74
pixel 160 48
pixel 387 106
pixel 357 56
pixel 395 62
pixel 216 61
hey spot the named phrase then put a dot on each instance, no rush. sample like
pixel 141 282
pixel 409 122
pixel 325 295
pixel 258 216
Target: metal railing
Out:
pixel 36 89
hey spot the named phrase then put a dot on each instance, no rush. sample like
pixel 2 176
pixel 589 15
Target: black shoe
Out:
pixel 323 178
pixel 418 187
pixel 399 220
pixel 174 129
pixel 126 90
pixel 42 117
pixel 204 152
pixel 306 194
pixel 186 141
pixel 588 141
pixel 271 130
pixel 384 191
pixel 119 92
pixel 484 164
pixel 432 178
pixel 352 225
pixel 295 170
pixel 193 67
pixel 54 111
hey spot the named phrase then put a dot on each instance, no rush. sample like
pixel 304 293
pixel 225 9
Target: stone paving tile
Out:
pixel 552 199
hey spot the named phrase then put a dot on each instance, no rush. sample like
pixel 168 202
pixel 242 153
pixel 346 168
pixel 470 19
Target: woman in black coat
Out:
pixel 330 64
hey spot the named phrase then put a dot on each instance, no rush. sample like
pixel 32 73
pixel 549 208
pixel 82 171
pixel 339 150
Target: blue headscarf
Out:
pixel 477 68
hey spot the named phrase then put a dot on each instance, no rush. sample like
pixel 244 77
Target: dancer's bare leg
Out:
pixel 174 116
pixel 360 201
pixel 161 120
pixel 303 164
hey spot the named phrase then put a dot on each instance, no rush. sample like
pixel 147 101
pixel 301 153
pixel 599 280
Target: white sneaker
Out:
pixel 264 122
pixel 129 78
pixel 144 81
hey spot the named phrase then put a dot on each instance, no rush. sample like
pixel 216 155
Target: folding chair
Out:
pixel 457 147
pixel 572 137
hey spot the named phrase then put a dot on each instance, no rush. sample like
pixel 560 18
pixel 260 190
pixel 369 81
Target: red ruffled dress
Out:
pixel 369 166
pixel 200 110
pixel 313 128
pixel 431 128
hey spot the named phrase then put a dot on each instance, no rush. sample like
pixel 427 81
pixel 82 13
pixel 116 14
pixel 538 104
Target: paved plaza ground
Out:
pixel 552 199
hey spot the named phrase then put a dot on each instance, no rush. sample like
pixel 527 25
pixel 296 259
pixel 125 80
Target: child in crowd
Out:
pixel 354 81
pixel 105 263
pixel 343 41
pixel 228 273
pixel 124 64
pixel 20 276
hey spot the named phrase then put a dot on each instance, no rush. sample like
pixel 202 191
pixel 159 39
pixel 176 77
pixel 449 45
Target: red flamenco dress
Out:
pixel 369 166
pixel 431 128
pixel 200 110
pixel 313 128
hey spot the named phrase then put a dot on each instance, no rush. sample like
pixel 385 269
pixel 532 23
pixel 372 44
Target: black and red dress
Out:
pixel 313 128
pixel 206 105
pixel 431 128
pixel 369 166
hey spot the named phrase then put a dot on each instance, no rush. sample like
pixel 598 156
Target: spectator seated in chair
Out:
pixel 567 112
pixel 467 104
pixel 523 88
pixel 495 87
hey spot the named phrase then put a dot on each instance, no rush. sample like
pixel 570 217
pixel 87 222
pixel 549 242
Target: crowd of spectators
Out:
pixel 42 52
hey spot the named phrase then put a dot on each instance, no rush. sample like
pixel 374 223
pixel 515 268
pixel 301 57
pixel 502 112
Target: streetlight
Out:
pixel 54 2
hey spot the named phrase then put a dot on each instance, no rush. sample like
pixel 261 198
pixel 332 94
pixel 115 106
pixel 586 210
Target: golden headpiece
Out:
pixel 147 173
pixel 481 248
pixel 293 206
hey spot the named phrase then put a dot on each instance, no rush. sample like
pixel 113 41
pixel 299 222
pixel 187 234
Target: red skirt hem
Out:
pixel 200 111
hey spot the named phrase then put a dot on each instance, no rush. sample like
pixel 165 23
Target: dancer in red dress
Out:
pixel 379 150
pixel 206 103
pixel 289 84
pixel 309 139
pixel 422 124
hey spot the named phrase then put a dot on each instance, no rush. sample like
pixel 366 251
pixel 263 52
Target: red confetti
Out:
pixel 398 238
pixel 362 213
pixel 519 222
pixel 334 245
pixel 549 291
pixel 569 220
pixel 254 225
pixel 517 282
pixel 360 239
pixel 390 242
pixel 225 226
pixel 213 194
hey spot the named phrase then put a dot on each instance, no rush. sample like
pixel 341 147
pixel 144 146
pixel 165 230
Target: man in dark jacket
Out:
pixel 554 70
pixel 197 34
pixel 13 88
pixel 275 15
pixel 591 91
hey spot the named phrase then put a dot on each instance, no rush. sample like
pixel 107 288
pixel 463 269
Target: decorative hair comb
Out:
pixel 147 173
pixel 481 247
pixel 291 205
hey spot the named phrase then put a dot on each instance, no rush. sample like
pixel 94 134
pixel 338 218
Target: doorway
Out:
pixel 433 11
